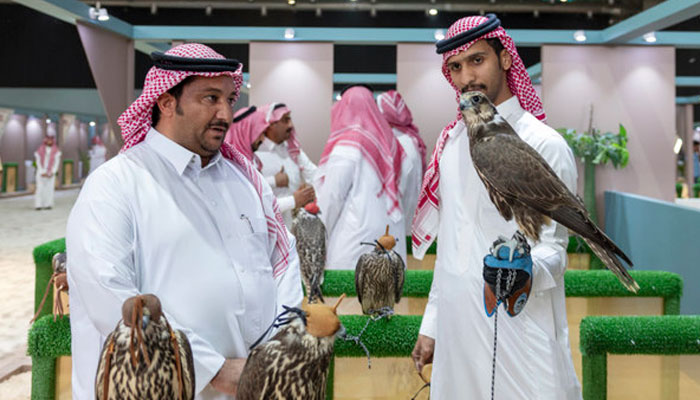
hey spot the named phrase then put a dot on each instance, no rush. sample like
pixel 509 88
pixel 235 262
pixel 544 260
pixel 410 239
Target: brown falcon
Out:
pixel 523 186
pixel 379 277
pixel 310 233
pixel 294 363
pixel 144 357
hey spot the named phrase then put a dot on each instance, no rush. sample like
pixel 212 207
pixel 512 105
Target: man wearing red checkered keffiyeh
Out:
pixel 534 358
pixel 183 215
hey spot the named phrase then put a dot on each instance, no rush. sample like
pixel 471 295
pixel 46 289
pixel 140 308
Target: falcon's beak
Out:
pixel 464 104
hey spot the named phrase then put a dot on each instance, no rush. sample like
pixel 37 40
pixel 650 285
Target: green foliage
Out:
pixel 599 148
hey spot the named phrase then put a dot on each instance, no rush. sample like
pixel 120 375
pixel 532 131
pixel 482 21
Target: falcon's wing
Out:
pixel 360 275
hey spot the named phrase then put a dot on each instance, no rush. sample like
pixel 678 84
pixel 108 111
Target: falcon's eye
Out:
pixel 476 99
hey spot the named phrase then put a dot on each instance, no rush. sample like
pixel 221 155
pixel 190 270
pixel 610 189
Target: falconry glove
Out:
pixel 507 275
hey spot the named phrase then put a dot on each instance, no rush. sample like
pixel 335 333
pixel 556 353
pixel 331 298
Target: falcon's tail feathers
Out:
pixel 614 265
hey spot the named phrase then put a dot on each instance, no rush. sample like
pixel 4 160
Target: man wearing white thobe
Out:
pixel 182 216
pixel 358 181
pixel 533 359
pixel 97 153
pixel 399 117
pixel 280 152
pixel 47 158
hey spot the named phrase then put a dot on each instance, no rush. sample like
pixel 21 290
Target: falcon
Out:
pixel 379 277
pixel 294 363
pixel 144 358
pixel 310 233
pixel 523 186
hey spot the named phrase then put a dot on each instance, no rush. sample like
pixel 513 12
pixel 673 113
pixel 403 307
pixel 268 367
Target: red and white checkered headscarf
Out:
pixel 357 122
pixel 242 134
pixel 398 115
pixel 136 121
pixel 52 152
pixel 273 115
pixel 426 219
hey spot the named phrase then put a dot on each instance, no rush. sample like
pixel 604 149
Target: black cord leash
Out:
pixel 280 320
pixel 510 281
pixel 383 312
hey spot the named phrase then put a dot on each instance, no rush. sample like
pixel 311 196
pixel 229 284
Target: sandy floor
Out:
pixel 21 229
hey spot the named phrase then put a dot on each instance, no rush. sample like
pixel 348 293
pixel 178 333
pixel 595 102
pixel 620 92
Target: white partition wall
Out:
pixel 426 92
pixel 632 85
pixel 301 76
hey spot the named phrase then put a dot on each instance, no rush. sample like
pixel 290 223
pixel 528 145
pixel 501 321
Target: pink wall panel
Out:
pixel 13 145
pixel 301 76
pixel 632 85
pixel 426 92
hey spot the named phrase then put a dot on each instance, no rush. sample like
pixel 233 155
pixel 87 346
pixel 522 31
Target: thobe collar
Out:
pixel 179 157
pixel 510 110
pixel 270 146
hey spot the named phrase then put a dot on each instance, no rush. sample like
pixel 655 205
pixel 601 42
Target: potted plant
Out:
pixel 595 148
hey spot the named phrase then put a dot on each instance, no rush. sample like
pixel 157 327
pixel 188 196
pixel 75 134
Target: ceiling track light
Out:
pixel 291 2
pixel 650 37
pixel 93 123
pixel 580 36
pixel 319 12
pixel 98 13
pixel 432 12
pixel 373 12
pixel 208 10
pixel 154 8
pixel 536 13
pixel 263 11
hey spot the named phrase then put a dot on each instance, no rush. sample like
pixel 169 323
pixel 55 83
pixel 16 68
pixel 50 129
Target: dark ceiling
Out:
pixel 53 56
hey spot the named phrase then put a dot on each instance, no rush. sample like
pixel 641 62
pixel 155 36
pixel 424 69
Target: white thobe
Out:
pixel 152 220
pixel 97 156
pixel 275 156
pixel 411 175
pixel 351 209
pixel 534 358
pixel 45 187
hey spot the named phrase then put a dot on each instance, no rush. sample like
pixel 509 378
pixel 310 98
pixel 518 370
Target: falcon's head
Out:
pixel 476 109
pixel 322 320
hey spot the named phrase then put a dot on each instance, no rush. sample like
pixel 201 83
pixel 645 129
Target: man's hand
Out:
pixel 423 352
pixel 281 178
pixel 226 380
pixel 304 195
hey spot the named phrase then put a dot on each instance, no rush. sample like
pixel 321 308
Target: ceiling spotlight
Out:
pixel 439 34
pixel 433 11
pixel 318 12
pixel 48 121
pixel 93 123
pixel 692 60
pixel 649 37
pixel 98 13
pixel 337 97
pixel 291 2
pixel 208 10
pixel 589 14
pixel 482 12
pixel 536 13
pixel 493 1
pixel 611 2
pixel 563 1
pixel 263 11
pixel 373 12
pixel 154 8
pixel 289 33
pixel 247 85
pixel 580 36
